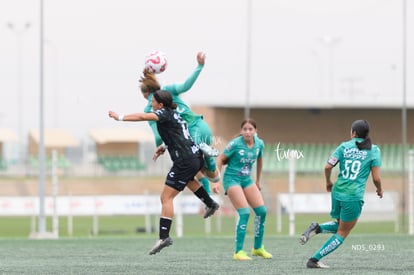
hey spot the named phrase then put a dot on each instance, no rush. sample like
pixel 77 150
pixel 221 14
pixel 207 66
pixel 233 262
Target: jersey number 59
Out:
pixel 351 169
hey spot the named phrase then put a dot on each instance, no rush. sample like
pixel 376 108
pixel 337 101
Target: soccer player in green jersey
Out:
pixel 357 158
pixel 240 155
pixel 199 129
pixel 186 157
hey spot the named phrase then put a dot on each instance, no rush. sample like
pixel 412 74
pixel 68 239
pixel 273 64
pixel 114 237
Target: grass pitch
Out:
pixel 194 225
pixel 360 254
pixel 372 248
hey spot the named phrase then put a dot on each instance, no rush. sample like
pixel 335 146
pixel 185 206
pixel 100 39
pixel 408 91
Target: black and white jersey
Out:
pixel 174 133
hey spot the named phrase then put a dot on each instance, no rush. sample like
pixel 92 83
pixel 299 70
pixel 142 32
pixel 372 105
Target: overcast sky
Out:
pixel 313 53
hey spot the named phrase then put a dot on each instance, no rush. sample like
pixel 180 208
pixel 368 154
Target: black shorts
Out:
pixel 182 171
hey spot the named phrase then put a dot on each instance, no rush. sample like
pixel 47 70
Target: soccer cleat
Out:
pixel 160 244
pixel 208 150
pixel 241 256
pixel 314 263
pixel 312 230
pixel 262 253
pixel 210 210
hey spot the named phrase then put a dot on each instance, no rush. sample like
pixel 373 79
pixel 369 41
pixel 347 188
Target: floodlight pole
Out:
pixel 41 147
pixel 248 58
pixel 404 112
pixel 411 192
pixel 54 60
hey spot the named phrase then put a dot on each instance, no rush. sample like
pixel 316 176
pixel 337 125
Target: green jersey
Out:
pixel 182 108
pixel 241 158
pixel 354 169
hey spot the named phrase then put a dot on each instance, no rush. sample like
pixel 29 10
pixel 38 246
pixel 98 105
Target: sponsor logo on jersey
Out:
pixel 355 153
pixel 332 161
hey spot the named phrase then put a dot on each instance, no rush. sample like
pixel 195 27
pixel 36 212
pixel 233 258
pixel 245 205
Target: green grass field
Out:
pixel 372 248
pixel 194 225
pixel 360 254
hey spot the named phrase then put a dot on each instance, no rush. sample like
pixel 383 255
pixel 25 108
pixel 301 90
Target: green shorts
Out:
pixel 346 211
pixel 243 182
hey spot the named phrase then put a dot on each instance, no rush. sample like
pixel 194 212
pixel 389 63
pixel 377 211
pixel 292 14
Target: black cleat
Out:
pixel 312 230
pixel 211 210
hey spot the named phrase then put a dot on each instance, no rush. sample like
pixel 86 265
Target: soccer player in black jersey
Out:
pixel 186 156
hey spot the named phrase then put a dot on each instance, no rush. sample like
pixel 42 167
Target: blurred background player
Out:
pixel 240 155
pixel 185 154
pixel 199 129
pixel 357 158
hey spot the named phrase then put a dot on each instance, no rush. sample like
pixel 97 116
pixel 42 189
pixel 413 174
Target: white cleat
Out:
pixel 313 263
pixel 208 150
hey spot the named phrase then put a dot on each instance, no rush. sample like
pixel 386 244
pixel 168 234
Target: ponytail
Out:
pixel 365 144
pixel 361 127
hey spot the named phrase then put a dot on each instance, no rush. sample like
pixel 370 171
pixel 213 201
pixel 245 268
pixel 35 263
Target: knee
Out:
pixel 166 199
pixel 244 213
pixel 345 228
pixel 260 211
pixel 163 199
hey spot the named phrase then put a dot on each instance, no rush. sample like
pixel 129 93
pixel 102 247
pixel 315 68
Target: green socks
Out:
pixel 210 163
pixel 259 222
pixel 329 227
pixel 333 243
pixel 241 227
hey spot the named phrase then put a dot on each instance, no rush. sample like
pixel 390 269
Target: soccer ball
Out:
pixel 156 62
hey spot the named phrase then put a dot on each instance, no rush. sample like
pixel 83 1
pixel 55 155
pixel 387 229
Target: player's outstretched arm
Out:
pixel 183 87
pixel 133 117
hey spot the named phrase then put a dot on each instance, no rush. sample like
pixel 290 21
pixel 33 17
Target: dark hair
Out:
pixel 250 121
pixel 247 120
pixel 165 98
pixel 149 83
pixel 361 128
